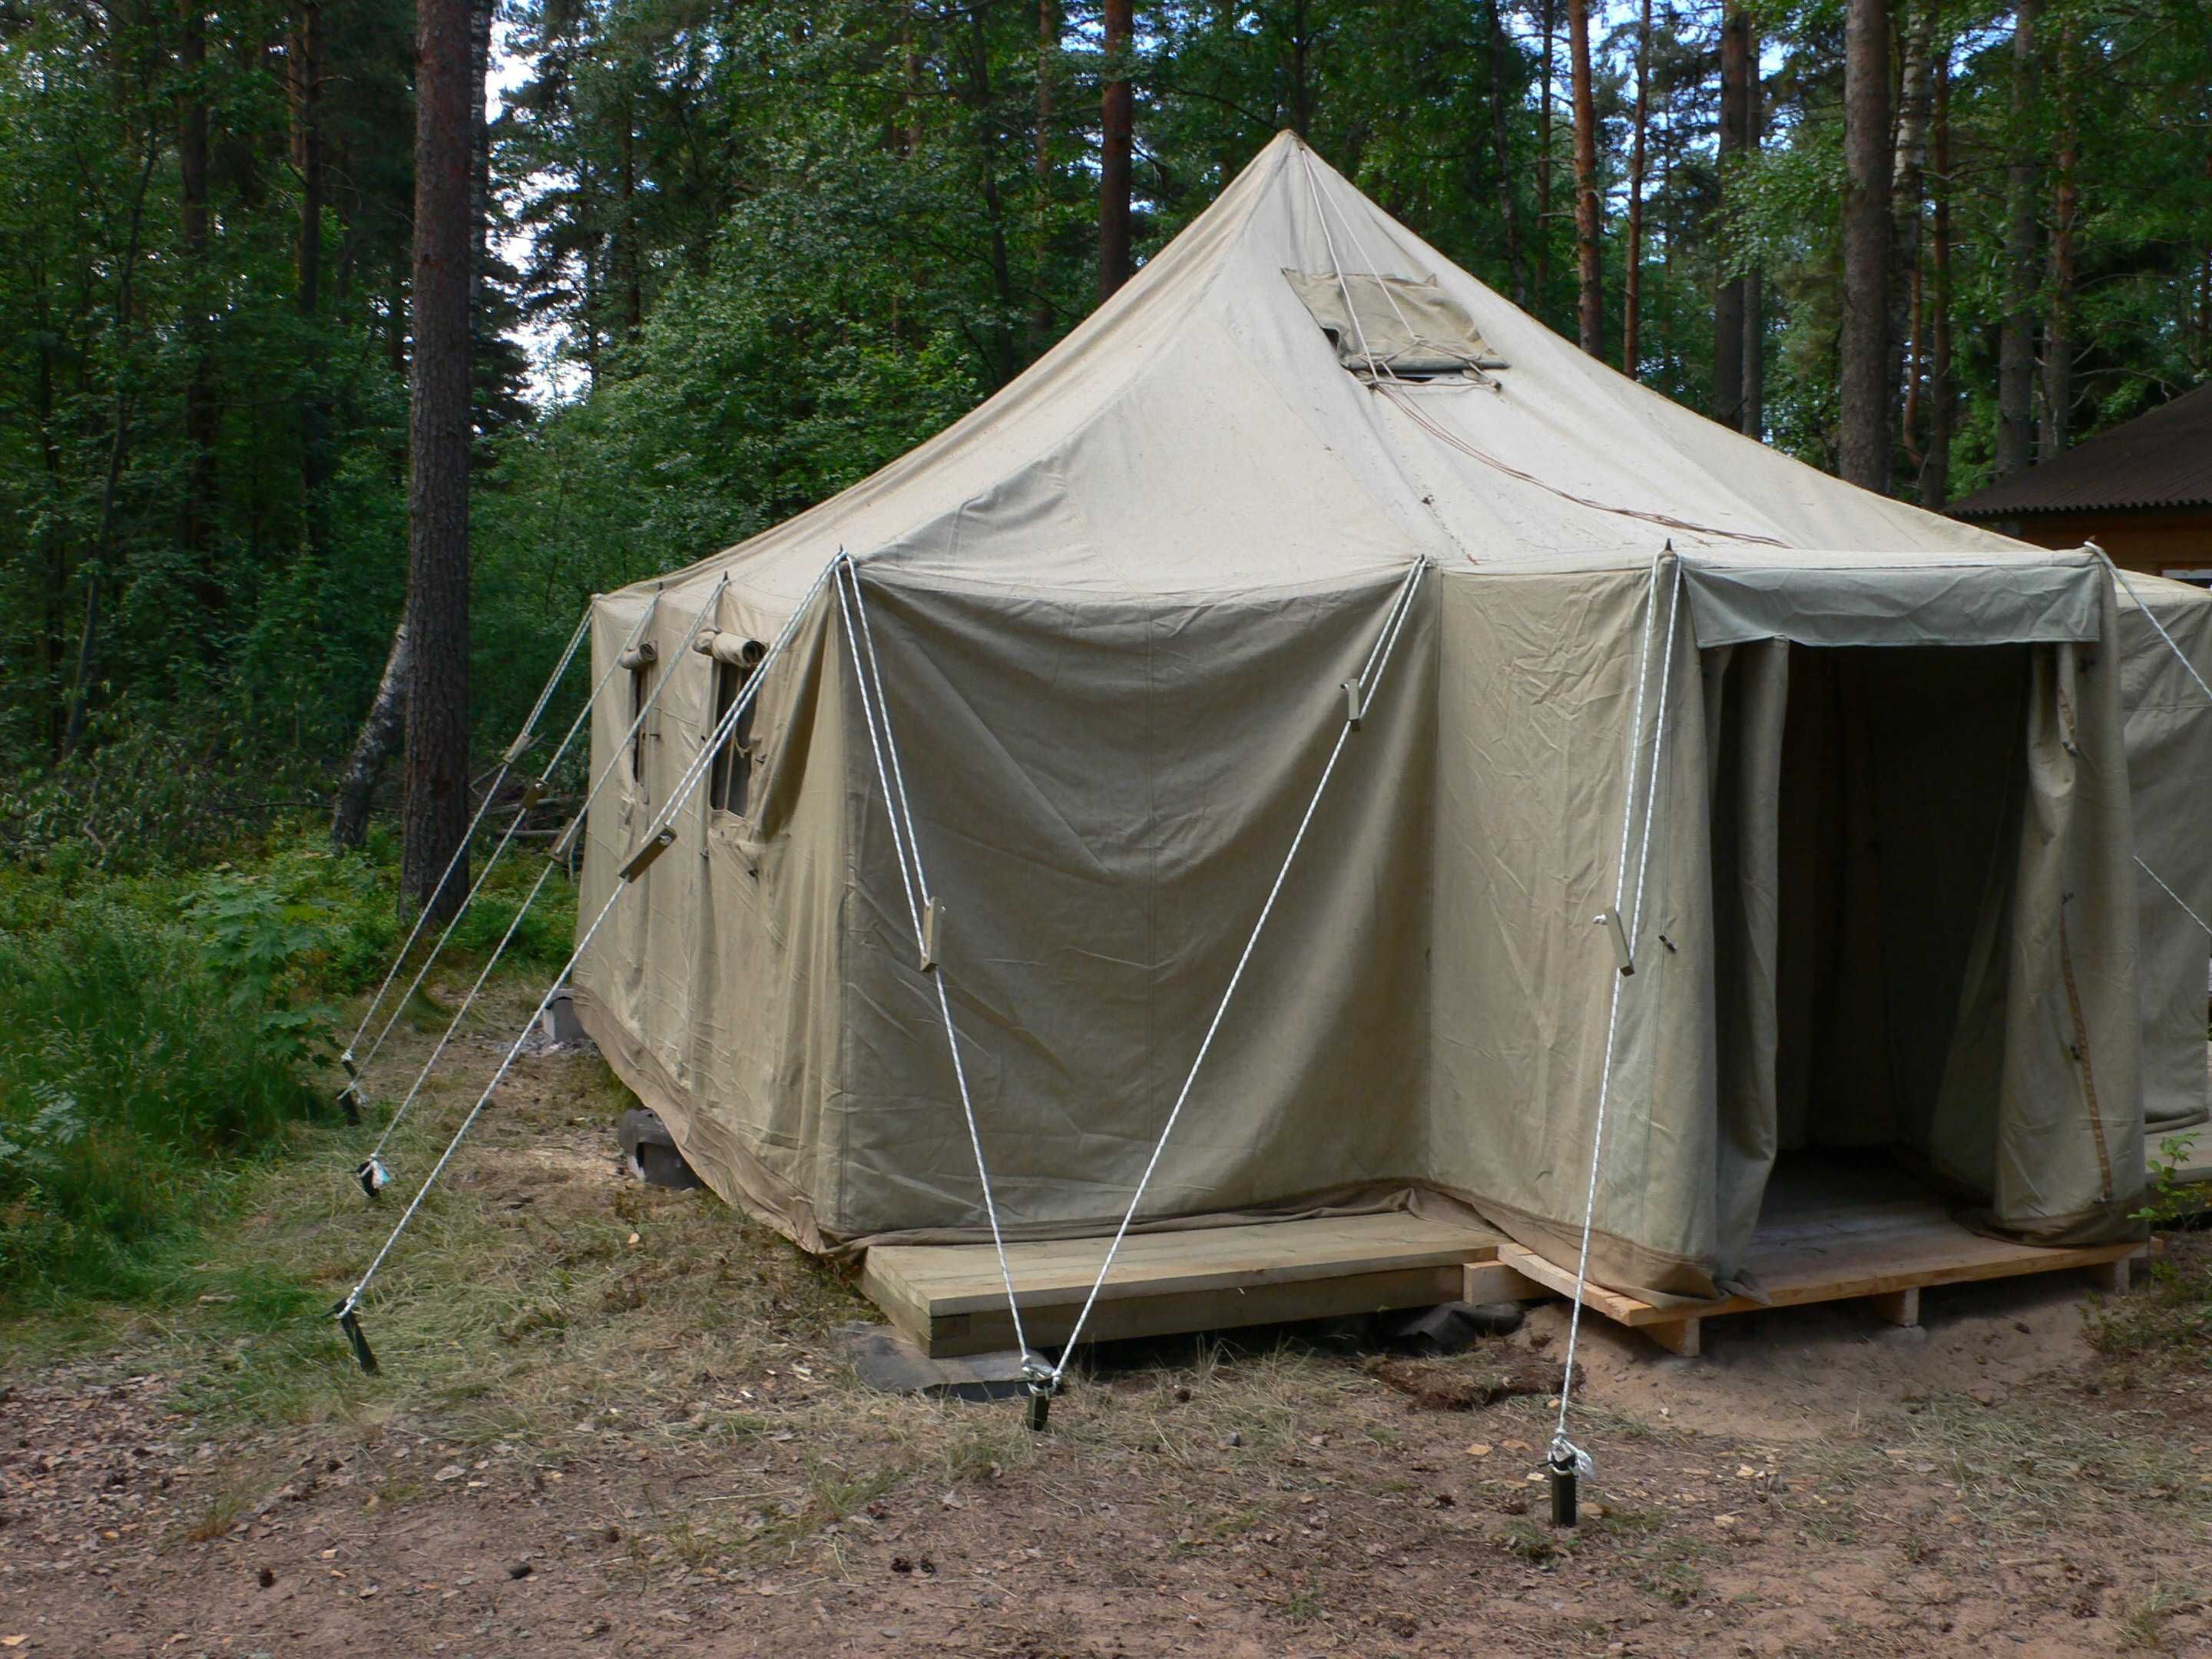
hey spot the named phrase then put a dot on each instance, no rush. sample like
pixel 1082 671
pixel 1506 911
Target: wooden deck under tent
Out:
pixel 1828 1233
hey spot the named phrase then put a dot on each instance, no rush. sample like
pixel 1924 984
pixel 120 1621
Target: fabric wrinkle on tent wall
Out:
pixel 372 1174
pixel 1370 680
pixel 350 1096
pixel 1566 1462
pixel 346 1313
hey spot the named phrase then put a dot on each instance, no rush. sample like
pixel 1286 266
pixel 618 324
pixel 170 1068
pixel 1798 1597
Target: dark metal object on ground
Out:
pixel 652 1152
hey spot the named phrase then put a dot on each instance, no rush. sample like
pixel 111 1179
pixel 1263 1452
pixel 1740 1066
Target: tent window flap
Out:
pixel 1408 329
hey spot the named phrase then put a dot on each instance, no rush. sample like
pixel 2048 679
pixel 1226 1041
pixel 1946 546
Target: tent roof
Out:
pixel 2161 459
pixel 1199 433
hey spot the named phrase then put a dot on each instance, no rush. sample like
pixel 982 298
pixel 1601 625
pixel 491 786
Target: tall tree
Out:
pixel 1936 463
pixel 436 812
pixel 1589 257
pixel 2065 217
pixel 1047 65
pixel 1116 138
pixel 1733 143
pixel 1864 387
pixel 1632 281
pixel 1753 417
pixel 2016 335
pixel 1501 101
pixel 1548 12
pixel 203 416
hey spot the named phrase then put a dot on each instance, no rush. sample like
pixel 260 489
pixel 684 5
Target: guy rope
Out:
pixel 1045 1378
pixel 658 834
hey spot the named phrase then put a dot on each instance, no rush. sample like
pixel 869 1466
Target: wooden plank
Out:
pixel 951 1298
pixel 1899 1307
pixel 1170 1313
pixel 956 1278
pixel 1680 1336
pixel 1493 1281
pixel 1953 1256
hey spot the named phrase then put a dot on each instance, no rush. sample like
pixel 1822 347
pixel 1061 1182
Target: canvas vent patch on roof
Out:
pixel 1395 325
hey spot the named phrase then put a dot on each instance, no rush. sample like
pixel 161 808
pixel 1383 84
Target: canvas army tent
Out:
pixel 1105 623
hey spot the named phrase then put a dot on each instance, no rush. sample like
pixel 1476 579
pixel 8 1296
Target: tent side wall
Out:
pixel 1104 789
pixel 2169 731
pixel 714 989
pixel 2027 1100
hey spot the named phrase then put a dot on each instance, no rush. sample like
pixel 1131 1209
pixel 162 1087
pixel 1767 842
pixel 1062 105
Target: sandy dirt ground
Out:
pixel 1817 1483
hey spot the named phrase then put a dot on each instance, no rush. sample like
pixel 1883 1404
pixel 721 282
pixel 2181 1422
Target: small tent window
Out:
pixel 736 659
pixel 1393 325
pixel 639 661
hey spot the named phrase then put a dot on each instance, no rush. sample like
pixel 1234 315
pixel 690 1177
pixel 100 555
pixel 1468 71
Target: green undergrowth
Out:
pixel 165 1032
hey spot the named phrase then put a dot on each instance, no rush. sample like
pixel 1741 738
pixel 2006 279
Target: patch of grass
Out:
pixel 2142 1618
pixel 2166 1321
pixel 1530 1540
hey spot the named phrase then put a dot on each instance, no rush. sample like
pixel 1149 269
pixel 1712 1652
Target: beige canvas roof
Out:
pixel 1115 607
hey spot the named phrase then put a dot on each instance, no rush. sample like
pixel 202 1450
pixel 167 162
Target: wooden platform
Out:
pixel 1832 1230
pixel 1838 1235
pixel 949 1297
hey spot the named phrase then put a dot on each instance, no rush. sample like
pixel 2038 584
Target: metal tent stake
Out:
pixel 1562 1475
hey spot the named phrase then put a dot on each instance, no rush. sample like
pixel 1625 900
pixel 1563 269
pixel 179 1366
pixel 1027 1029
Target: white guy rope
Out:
pixel 895 808
pixel 1564 1453
pixel 2171 894
pixel 614 761
pixel 1336 262
pixel 692 773
pixel 1359 247
pixel 484 874
pixel 1379 658
pixel 431 904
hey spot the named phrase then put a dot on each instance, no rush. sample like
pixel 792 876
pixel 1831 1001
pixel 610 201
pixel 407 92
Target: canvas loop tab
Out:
pixel 350 1323
pixel 932 932
pixel 1623 958
pixel 642 860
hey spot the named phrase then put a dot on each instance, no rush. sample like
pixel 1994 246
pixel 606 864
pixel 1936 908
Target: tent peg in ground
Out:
pixel 350 1323
pixel 1043 1383
pixel 349 1101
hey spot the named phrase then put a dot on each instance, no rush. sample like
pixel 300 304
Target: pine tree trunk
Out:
pixel 1047 60
pixel 1115 135
pixel 1936 468
pixel 436 812
pixel 1728 296
pixel 1864 387
pixel 2065 210
pixel 1590 258
pixel 1632 281
pixel 1501 151
pixel 2016 337
pixel 1550 14
pixel 994 216
pixel 1753 420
